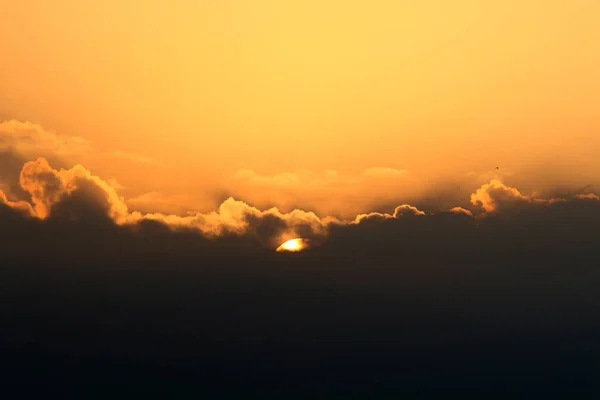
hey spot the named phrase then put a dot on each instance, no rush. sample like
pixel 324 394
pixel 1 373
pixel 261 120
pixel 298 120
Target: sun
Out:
pixel 297 244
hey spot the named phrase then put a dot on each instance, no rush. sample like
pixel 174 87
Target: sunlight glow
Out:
pixel 297 244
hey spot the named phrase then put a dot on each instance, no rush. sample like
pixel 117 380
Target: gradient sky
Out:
pixel 205 89
pixel 437 160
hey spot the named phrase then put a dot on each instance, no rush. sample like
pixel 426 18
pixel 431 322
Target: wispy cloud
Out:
pixel 327 192
pixel 33 140
pixel 130 156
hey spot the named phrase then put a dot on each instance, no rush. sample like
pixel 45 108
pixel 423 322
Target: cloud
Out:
pixel 327 193
pixel 452 297
pixel 156 202
pixel 271 227
pixel 75 194
pixel 20 206
pixel 10 169
pixel 406 209
pixel 495 195
pixel 115 184
pixel 589 196
pixel 399 212
pixel 281 179
pixel 32 140
pixel 130 156
pixel 49 187
pixel 310 179
pixel 406 284
pixel 381 172
pixel 460 210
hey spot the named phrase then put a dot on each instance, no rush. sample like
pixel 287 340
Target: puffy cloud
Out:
pixel 76 194
pixel 48 187
pixel 271 226
pixel 496 195
pixel 450 278
pixel 371 216
pixel 51 189
pixel 406 209
pixel 399 212
pixel 431 268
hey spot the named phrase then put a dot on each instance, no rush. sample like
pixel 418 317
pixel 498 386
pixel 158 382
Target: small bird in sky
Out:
pixel 497 167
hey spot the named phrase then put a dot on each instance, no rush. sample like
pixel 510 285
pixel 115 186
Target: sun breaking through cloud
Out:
pixel 75 192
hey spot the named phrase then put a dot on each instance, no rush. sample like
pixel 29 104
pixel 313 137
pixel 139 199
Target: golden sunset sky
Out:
pixel 311 103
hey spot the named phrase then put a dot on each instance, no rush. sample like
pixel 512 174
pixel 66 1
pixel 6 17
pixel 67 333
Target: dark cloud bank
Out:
pixel 507 301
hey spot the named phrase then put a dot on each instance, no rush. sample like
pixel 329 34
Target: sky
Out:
pixel 293 197
pixel 185 102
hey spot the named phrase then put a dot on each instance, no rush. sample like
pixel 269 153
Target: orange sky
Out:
pixel 320 103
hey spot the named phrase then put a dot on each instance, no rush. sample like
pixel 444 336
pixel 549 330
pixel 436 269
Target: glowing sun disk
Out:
pixel 297 244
